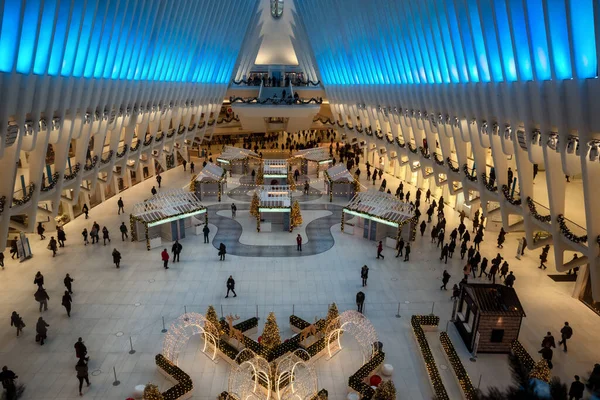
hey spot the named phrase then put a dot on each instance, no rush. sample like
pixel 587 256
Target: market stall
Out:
pixel 210 182
pixel 165 217
pixel 380 216
pixel 314 160
pixel 274 208
pixel 275 171
pixel 236 159
pixel 339 182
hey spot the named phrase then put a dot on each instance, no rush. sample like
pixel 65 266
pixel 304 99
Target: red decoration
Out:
pixel 375 380
pixel 229 110
pixel 259 339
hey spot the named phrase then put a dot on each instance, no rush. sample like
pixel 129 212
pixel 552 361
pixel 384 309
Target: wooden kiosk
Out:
pixel 210 181
pixel 339 182
pixel 275 172
pixel 236 159
pixel 275 207
pixel 314 160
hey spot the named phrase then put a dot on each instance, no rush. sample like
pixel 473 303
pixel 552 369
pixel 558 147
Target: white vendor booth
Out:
pixel 314 160
pixel 275 208
pixel 339 182
pixel 236 159
pixel 210 182
pixel 165 217
pixel 275 172
pixel 379 216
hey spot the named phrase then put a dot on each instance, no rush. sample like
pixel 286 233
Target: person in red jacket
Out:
pixel 379 250
pixel 299 242
pixel 165 258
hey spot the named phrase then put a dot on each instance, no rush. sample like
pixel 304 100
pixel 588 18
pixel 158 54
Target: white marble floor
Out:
pixel 110 306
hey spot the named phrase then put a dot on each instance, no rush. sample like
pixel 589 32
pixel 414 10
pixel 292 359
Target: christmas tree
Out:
pixel 385 391
pixel 540 371
pixel 296 216
pixel 151 392
pixel 291 181
pixel 270 336
pixel 254 205
pixel 332 314
pixel 193 184
pixel 215 327
pixel 260 179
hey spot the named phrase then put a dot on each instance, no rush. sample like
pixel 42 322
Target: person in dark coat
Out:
pixel 153 191
pixel 364 274
pixel 477 240
pixel 67 281
pixel 576 390
pixel 222 252
pixel 440 238
pixel 230 286
pixel 53 246
pixel 80 349
pixel 407 252
pixel 444 254
pixel 82 373
pixel 483 267
pixel 121 206
pixel 116 257
pixel 434 234
pixel 423 226
pixel 41 230
pixel 466 236
pixel 475 223
pixel 66 302
pixel 547 353
pixel 176 250
pixel 501 238
pixel 39 280
pixel 84 233
pixel 41 296
pixel 206 231
pixel 548 340
pixel 123 229
pixel 461 229
pixel 470 253
pixel 360 301
pixel 455 292
pixel 299 242
pixel 158 179
pixel 184 163
pixel 41 328
pixel 17 322
pixel 565 333
pixel 85 210
pixel 192 167
pixel 7 377
pixel 445 280
pixel 544 256
pixel 61 236
pixel 105 235
pixel 400 247
pixel 451 248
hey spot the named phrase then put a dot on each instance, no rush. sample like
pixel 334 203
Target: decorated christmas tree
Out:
pixel 270 336
pixel 151 392
pixel 254 205
pixel 193 183
pixel 211 316
pixel 540 371
pixel 260 178
pixel 291 181
pixel 385 391
pixel 332 314
pixel 296 216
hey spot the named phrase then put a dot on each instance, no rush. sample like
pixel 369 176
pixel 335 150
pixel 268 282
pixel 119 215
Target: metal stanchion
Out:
pixel 164 330
pixel 479 383
pixel 116 382
pixel 222 315
pixel 185 313
pixel 293 309
pixel 132 351
pixel 432 307
pixel 257 313
pixel 398 313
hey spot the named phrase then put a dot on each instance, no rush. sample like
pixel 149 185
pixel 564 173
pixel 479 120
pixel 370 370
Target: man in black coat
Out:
pixel 176 249
pixel 576 390
pixel 360 300
pixel 231 286
pixel 205 230
pixel 565 333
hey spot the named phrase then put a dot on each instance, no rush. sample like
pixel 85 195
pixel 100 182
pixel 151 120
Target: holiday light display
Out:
pixel 295 215
pixel 459 370
pixel 271 336
pixel 434 375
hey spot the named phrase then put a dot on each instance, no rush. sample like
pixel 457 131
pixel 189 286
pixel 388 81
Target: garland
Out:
pixel 123 152
pixel 412 149
pixel 170 158
pixel 488 183
pixel 564 229
pixel 451 166
pixel 458 367
pixel 287 101
pixel 377 133
pixel 296 82
pixel 434 375
pixel 390 140
pixel 181 129
pixel 511 200
pixel 3 202
pixel 518 350
pixel 356 381
pixel 148 141
pixel 368 131
pixel 323 120
pixel 107 160
pixel 424 153
pixel 136 147
pixel 534 213
pixel 472 178
pixel 91 166
pixel 28 194
pixel 170 133
pixel 184 386
pixel 53 182
pixel 157 139
pixel 438 161
pixel 401 144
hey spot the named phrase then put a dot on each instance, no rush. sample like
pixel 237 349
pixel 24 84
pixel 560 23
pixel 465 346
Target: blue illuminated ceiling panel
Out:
pixel 155 40
pixel 450 41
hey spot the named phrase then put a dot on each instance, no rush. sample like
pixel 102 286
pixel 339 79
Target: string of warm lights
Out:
pixel 509 198
pixel 488 183
pixel 535 214
pixel 564 229
pixel 471 177
pixel 73 174
pixel 184 386
pixel 459 370
pixel 434 375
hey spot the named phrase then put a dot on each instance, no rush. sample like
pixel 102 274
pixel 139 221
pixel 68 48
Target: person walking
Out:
pixel 14 249
pixel 53 246
pixel 463 250
pixel 407 252
pixel 206 231
pixel 379 250
pixel 41 296
pixel 428 196
pixel 565 333
pixel 253 174
pixel 85 210
pixel 547 353
pixel 84 233
pixel 82 373
pixel 364 274
pixel 176 250
pixel 503 270
pixel 7 377
pixel 192 167
pixel 360 298
pixel 466 237
pixel 68 281
pixel 493 272
pixel 233 210
pixel 105 235
pixel 461 229
pixel 2 259
pixel 548 340
pixel 123 229
pixel 524 245
pixel 184 163
pixel 483 267
pixel 39 280
pixel 17 322
pixel 445 279
pixel 121 206
pixel 222 252
pixel 501 238
pixel 116 255
pixel 400 247
pixel 66 302
pixel 440 238
pixel 444 254
pixel 451 248
pixel 165 257
pixel 80 349
pixel 41 230
pixel 455 292
pixel 470 253
pixel 510 280
pixel 158 179
pixel 41 328
pixel 544 256
pixel 475 224
pixel 477 240
pixel 61 236
pixel 153 191
pixel 430 212
pixel 230 286
pixel 467 271
pixel 577 389
pixel 299 243
pixel 422 227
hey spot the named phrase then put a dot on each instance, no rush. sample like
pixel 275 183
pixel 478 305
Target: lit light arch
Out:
pixel 246 375
pixel 182 329
pixel 300 374
pixel 357 325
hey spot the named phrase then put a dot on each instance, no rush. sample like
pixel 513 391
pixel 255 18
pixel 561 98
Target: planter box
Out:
pixel 156 242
